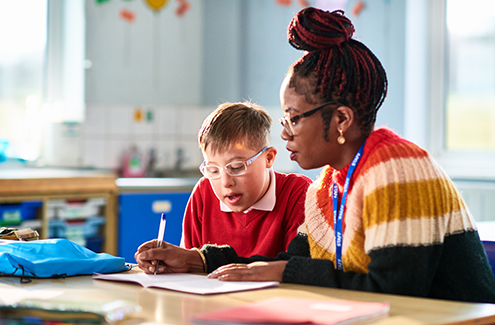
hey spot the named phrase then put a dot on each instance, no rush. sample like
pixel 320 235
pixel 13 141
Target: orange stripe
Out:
pixel 323 197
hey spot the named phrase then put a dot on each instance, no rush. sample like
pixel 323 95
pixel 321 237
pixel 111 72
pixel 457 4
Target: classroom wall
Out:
pixel 177 69
pixel 144 83
pixel 157 59
pixel 381 27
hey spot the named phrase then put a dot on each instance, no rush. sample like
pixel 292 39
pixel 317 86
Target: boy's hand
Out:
pixel 171 258
pixel 256 271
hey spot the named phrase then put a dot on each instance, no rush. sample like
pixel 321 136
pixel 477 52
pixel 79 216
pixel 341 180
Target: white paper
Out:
pixel 11 295
pixel 184 282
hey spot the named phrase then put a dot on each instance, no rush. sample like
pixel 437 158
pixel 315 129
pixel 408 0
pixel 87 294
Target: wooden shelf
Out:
pixel 47 184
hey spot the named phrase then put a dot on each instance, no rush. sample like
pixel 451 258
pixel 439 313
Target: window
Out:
pixel 41 71
pixel 470 96
pixel 23 37
pixel 462 87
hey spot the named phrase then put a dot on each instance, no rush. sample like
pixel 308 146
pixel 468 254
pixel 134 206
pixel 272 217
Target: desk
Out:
pixel 171 307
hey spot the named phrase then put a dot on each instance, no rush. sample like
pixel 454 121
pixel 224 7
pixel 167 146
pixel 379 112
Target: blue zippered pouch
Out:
pixel 54 258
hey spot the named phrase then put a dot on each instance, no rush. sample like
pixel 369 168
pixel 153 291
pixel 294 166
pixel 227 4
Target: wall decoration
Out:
pixel 127 15
pixel 184 6
pixel 138 115
pixel 286 3
pixel 157 5
pixel 358 7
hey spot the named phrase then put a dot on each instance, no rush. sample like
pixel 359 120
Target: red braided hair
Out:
pixel 344 69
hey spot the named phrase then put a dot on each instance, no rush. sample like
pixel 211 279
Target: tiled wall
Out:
pixel 109 130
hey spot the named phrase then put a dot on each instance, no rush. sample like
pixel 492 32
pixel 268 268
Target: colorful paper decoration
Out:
pixel 286 3
pixel 184 6
pixel 138 115
pixel 156 4
pixel 149 116
pixel 127 15
pixel 358 7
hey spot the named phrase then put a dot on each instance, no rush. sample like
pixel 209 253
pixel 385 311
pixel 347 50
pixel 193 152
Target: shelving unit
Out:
pixel 44 184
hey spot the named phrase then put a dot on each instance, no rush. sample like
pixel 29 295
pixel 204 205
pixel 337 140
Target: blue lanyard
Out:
pixel 338 214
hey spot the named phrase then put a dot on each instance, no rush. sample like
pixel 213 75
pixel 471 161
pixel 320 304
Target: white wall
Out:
pixel 181 68
pixel 157 59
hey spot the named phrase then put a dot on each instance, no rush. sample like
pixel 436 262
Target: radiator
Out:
pixel 479 197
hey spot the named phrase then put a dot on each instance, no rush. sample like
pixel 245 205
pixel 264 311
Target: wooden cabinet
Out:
pixel 44 184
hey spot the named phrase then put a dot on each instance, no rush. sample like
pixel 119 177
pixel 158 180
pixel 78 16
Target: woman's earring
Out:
pixel 340 138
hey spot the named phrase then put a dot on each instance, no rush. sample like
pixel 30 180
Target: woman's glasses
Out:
pixel 289 123
pixel 235 168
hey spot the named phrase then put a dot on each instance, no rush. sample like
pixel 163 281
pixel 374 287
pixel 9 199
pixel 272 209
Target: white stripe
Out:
pixel 322 232
pixel 416 232
pixel 399 170
pixel 316 224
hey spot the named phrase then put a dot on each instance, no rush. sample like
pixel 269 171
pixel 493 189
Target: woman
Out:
pixel 382 216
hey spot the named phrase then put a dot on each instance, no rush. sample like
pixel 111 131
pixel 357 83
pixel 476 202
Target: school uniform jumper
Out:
pixel 265 229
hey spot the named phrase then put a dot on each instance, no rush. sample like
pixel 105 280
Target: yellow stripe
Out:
pixel 354 258
pixel 430 198
pixel 319 252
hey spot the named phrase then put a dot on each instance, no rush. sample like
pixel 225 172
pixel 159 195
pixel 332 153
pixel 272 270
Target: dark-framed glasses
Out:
pixel 289 122
pixel 235 168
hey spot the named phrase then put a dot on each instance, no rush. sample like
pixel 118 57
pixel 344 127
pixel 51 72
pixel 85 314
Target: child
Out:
pixel 241 201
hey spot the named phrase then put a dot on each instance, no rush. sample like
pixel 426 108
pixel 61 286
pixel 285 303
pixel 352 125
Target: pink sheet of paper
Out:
pixel 283 310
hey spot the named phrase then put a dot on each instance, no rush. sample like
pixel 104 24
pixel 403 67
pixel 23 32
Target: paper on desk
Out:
pixel 185 282
pixel 287 310
pixel 11 295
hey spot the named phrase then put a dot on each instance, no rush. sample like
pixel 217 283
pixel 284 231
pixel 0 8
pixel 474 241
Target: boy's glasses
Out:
pixel 289 123
pixel 235 168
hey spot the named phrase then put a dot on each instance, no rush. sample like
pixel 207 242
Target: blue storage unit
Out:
pixel 12 214
pixel 139 219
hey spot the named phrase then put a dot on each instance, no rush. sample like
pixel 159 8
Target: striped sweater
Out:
pixel 406 230
pixel 398 196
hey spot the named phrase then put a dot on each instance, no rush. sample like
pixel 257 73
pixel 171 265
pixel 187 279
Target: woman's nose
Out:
pixel 284 135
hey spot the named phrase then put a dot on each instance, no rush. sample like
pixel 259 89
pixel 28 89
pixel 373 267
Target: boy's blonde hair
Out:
pixel 231 123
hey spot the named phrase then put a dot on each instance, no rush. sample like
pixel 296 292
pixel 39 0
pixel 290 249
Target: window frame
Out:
pixel 64 92
pixel 459 164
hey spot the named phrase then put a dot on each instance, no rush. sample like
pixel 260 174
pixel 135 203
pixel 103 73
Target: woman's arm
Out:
pixel 455 269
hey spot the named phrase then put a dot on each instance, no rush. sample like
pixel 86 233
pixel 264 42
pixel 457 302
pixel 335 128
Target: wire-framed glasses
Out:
pixel 235 168
pixel 289 122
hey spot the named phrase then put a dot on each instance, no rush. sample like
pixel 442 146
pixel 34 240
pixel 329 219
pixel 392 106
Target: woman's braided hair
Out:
pixel 339 67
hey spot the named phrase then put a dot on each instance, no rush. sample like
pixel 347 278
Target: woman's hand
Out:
pixel 256 271
pixel 170 258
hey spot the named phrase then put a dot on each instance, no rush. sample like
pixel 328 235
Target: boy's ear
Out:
pixel 271 153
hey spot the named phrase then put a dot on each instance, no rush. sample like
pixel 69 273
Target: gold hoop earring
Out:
pixel 340 138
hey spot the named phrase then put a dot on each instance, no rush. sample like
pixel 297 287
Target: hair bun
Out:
pixel 314 29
